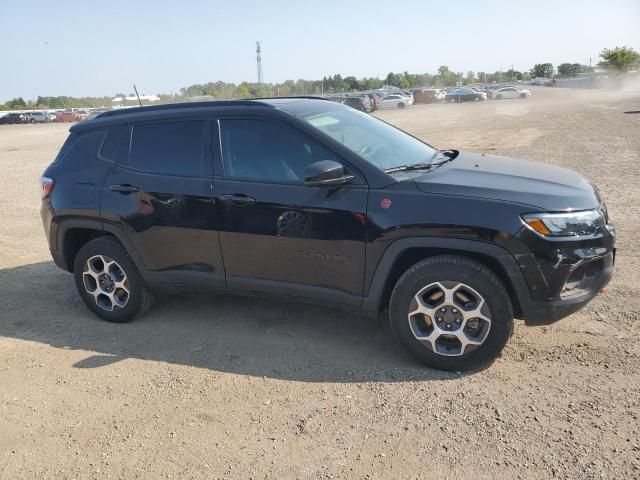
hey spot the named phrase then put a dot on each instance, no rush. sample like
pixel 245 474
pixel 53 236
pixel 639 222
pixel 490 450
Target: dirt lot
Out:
pixel 209 386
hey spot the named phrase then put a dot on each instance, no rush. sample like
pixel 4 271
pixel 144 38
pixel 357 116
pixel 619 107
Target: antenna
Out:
pixel 136 90
pixel 259 61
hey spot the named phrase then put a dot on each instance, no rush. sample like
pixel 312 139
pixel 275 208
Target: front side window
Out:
pixel 169 148
pixel 269 152
pixel 374 140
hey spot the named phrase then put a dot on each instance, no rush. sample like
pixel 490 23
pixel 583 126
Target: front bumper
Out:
pixel 562 275
pixel 545 312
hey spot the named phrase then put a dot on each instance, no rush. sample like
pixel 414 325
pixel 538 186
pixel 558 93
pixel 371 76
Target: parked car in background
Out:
pixel 37 117
pixel 13 118
pixel 82 115
pixel 408 96
pixel 510 92
pixel 51 116
pixel 359 103
pixel 94 113
pixel 464 95
pixel 66 116
pixel 393 101
pixel 428 95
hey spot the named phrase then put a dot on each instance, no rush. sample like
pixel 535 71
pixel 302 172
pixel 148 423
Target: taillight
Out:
pixel 47 185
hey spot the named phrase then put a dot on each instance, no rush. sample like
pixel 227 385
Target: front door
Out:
pixel 278 235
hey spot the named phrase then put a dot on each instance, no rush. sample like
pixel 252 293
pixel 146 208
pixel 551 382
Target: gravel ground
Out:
pixel 209 386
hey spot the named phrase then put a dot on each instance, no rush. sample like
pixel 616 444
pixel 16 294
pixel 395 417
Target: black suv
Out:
pixel 309 199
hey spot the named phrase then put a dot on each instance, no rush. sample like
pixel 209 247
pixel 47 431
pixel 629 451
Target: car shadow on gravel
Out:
pixel 224 333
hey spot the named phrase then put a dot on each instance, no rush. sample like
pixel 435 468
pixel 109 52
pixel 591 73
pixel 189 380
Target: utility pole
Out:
pixel 259 62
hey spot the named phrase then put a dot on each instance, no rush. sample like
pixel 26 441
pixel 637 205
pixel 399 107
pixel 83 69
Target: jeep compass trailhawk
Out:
pixel 309 199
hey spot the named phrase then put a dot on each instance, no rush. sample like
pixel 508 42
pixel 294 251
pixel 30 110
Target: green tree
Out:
pixel 470 78
pixel 618 59
pixel 542 70
pixel 513 75
pixel 243 90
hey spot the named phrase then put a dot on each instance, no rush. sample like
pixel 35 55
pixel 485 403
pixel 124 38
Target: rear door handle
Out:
pixel 238 199
pixel 123 188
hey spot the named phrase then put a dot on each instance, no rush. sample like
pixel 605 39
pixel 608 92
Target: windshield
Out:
pixel 374 140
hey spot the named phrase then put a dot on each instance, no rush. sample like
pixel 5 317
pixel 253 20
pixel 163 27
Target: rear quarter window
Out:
pixel 81 148
pixel 111 144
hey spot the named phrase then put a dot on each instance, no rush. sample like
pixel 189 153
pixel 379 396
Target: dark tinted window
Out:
pixel 174 148
pixel 109 150
pixel 84 148
pixel 260 150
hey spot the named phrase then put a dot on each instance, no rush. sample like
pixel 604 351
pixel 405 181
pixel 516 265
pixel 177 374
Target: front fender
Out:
pixel 372 302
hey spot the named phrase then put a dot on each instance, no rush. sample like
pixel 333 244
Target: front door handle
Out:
pixel 238 199
pixel 123 188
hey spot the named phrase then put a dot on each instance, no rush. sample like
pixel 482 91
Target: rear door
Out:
pixel 277 234
pixel 159 194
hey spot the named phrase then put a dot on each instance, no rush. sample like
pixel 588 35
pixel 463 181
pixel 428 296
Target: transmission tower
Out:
pixel 259 62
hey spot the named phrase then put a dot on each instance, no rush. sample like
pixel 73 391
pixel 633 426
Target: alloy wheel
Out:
pixel 106 281
pixel 449 318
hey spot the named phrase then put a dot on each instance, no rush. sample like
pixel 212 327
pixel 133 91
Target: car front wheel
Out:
pixel 109 282
pixel 451 313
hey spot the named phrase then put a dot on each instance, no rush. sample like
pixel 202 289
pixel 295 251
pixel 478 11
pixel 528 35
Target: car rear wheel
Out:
pixel 523 95
pixel 401 105
pixel 451 313
pixel 498 97
pixel 32 120
pixel 109 282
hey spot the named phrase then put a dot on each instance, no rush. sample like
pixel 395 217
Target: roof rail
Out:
pixel 213 103
pixel 310 97
pixel 181 105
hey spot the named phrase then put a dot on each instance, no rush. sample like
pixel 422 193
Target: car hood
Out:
pixel 500 178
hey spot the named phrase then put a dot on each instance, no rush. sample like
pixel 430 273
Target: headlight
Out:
pixel 571 224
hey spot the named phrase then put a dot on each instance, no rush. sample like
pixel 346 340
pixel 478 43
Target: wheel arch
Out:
pixel 74 233
pixel 404 253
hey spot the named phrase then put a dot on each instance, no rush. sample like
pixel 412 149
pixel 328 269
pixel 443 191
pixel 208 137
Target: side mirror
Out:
pixel 325 173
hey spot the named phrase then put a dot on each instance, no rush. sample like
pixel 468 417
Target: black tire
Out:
pixel 140 298
pixel 459 269
pixel 401 105
pixel 498 97
pixel 523 95
pixel 33 120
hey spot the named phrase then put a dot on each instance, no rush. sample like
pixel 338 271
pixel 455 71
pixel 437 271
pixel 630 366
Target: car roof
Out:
pixel 172 110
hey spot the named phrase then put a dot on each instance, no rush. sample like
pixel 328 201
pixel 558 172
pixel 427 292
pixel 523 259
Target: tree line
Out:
pixel 614 60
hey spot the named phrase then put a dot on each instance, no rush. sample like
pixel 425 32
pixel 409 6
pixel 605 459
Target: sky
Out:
pixel 96 48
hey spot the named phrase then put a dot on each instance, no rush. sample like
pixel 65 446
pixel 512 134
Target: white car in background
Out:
pixel 395 100
pixel 37 117
pixel 408 96
pixel 510 92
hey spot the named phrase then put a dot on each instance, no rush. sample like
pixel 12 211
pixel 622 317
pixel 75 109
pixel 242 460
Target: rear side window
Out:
pixel 171 148
pixel 85 147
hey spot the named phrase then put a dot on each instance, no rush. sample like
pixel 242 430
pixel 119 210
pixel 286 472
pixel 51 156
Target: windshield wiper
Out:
pixel 405 168
pixel 448 155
